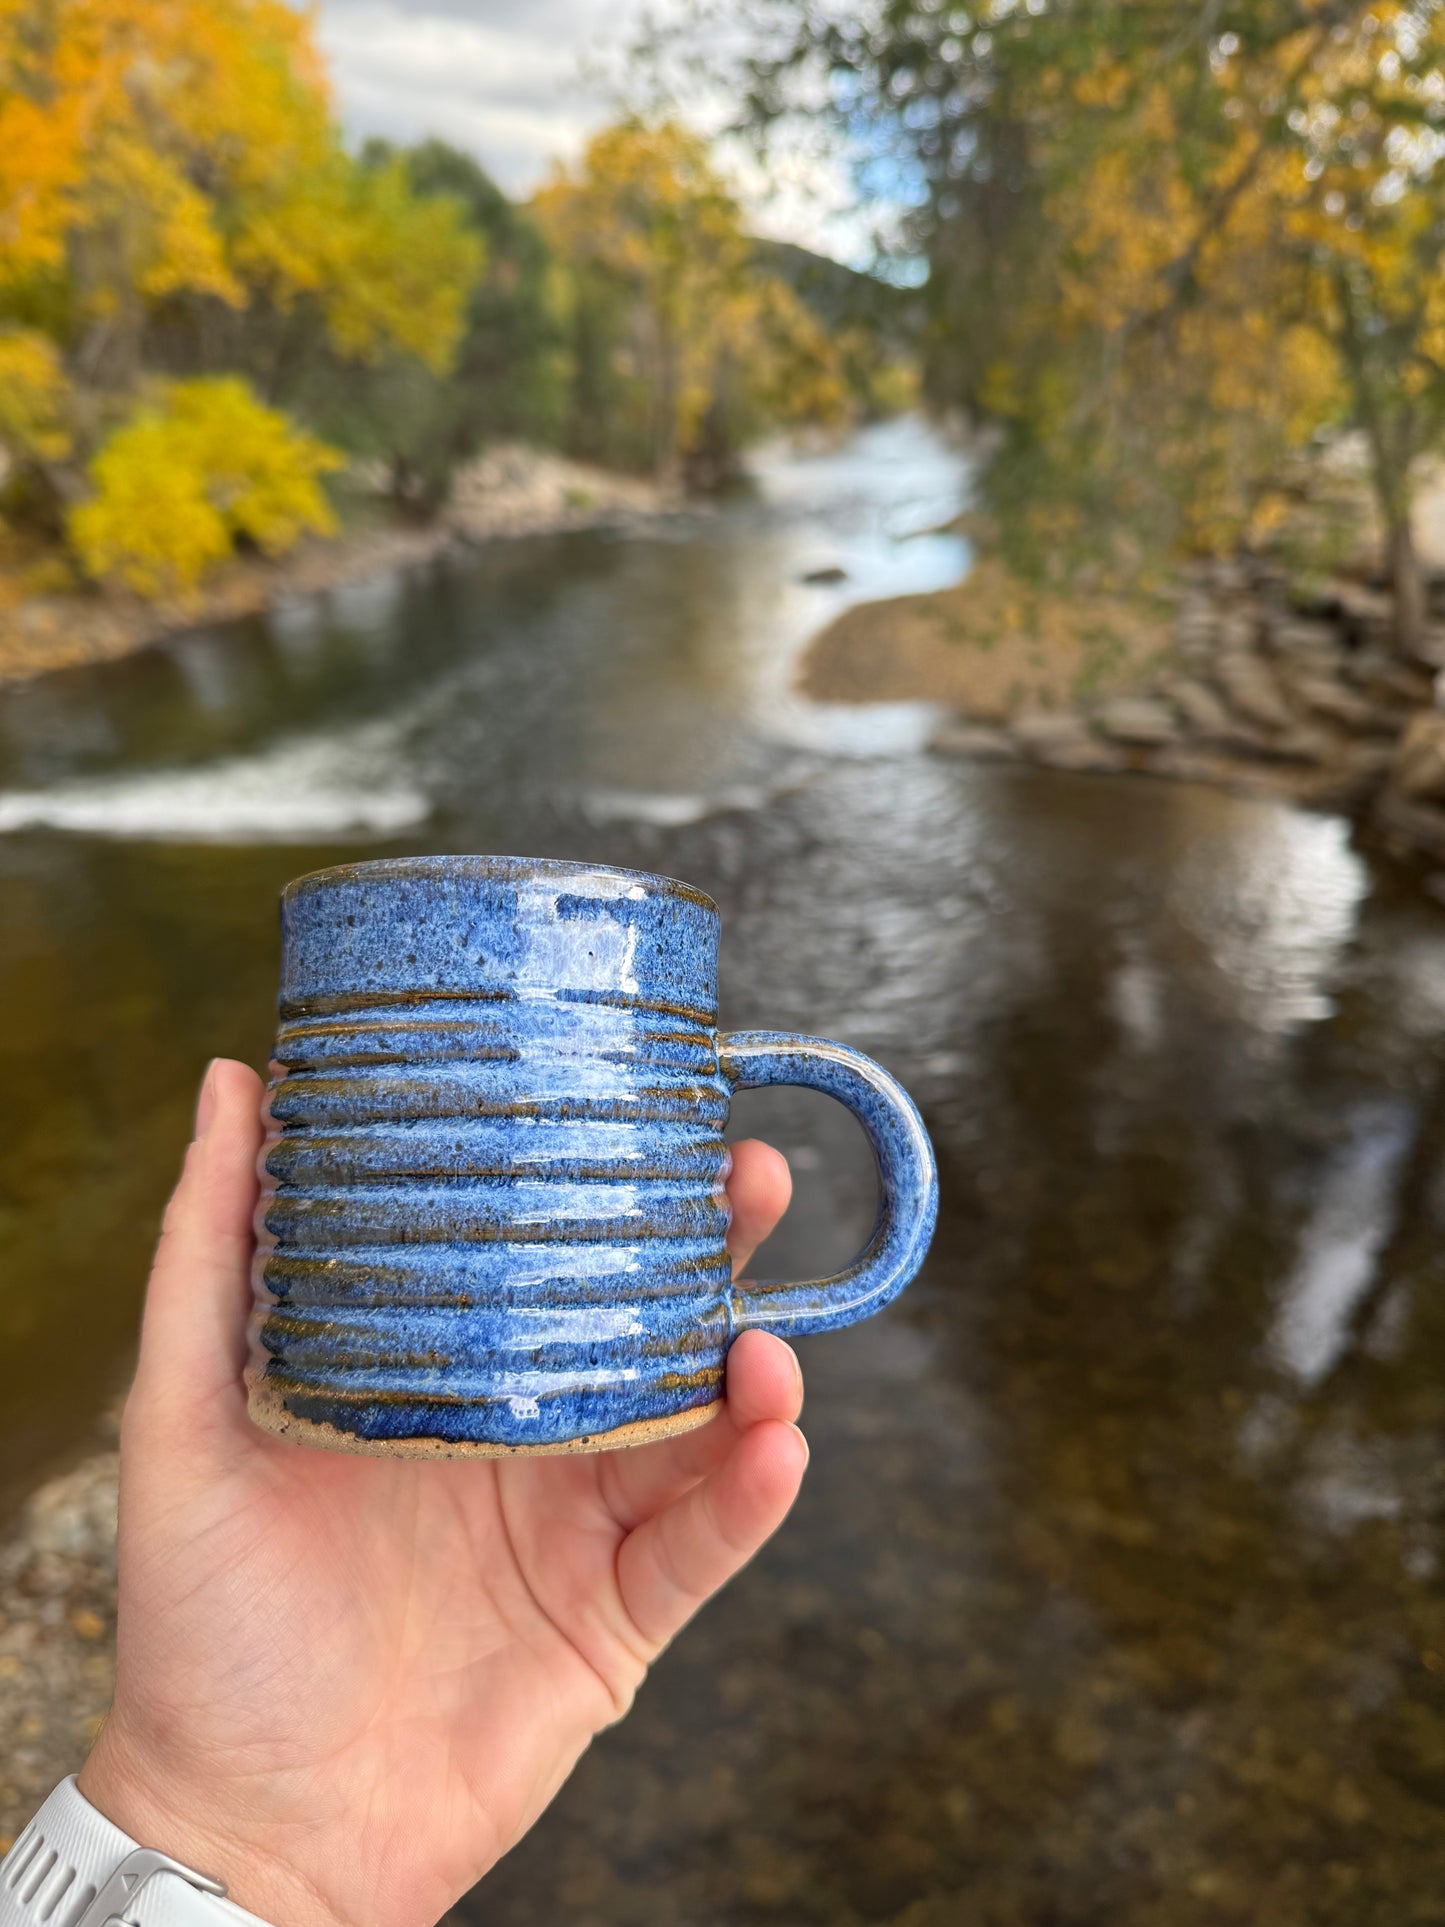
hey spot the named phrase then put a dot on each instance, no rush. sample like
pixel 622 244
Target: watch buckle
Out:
pixel 108 1909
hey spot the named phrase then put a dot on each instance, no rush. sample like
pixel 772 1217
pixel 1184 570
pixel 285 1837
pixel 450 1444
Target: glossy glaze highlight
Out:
pixel 494 1215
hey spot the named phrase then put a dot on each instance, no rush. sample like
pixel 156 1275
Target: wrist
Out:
pixel 169 1813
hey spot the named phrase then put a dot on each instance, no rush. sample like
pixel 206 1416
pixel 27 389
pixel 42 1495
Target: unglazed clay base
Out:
pixel 268 1410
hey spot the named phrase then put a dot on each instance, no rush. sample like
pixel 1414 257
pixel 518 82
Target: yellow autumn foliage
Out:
pixel 204 464
pixel 654 240
pixel 157 148
pixel 1244 238
pixel 33 396
pixel 795 367
pixel 387 267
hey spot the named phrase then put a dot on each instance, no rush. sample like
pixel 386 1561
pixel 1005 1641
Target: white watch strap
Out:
pixel 72 1868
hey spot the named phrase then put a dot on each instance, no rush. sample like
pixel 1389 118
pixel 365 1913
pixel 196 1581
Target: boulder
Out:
pixel 1337 704
pixel 1195 655
pixel 1348 780
pixel 1252 691
pixel 1239 631
pixel 73 1517
pixel 1417 772
pixel 981 741
pixel 1201 709
pixel 1292 635
pixel 1192 764
pixel 1137 721
pixel 1409 828
pixel 1303 744
pixel 1366 616
pixel 1386 679
pixel 1197 622
pixel 1063 741
pixel 1227 576
pixel 1254 751
pixel 1037 731
pixel 1368 763
pixel 1270 580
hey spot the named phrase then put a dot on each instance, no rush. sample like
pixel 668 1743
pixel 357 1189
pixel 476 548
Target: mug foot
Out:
pixel 268 1410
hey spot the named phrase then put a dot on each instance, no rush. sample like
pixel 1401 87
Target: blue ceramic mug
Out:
pixel 493 1216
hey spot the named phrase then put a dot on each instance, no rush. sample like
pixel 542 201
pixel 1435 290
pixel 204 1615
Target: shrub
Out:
pixel 32 397
pixel 189 474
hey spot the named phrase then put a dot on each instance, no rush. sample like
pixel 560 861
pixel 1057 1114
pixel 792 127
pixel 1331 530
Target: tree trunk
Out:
pixel 1393 436
pixel 1407 581
pixel 666 455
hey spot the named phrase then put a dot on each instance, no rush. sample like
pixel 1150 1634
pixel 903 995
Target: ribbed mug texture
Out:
pixel 493 1214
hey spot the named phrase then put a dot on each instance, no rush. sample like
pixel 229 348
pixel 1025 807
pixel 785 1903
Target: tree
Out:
pixel 198 468
pixel 677 333
pixel 1366 215
pixel 872 325
pixel 1169 245
pixel 1159 366
pixel 513 366
pixel 510 374
pixel 159 150
pixel 32 395
pixel 656 246
pixel 175 198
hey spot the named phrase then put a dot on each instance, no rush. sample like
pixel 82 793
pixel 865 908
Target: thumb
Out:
pixel 193 1338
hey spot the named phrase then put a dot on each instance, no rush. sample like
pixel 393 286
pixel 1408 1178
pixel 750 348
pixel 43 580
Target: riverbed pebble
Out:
pixel 57 1634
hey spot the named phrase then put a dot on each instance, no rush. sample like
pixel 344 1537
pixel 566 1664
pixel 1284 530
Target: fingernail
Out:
pixel 206 1101
pixel 797 1372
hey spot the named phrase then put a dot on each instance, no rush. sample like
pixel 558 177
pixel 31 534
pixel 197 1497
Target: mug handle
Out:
pixel 906 1170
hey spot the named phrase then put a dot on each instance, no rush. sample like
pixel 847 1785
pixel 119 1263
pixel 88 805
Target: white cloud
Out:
pixel 514 83
pixel 503 80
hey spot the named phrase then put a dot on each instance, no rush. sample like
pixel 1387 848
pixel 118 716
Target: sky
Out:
pixel 516 83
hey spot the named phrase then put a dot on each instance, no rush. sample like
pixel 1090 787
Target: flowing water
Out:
pixel 1114 1594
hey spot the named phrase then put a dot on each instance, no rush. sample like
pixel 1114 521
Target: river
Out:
pixel 1114 1593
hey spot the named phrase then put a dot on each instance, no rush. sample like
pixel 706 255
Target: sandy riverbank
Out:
pixel 1235 680
pixel 988 648
pixel 1235 676
pixel 511 491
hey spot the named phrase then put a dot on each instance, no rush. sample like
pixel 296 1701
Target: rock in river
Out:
pixel 1418 771
pixel 1137 721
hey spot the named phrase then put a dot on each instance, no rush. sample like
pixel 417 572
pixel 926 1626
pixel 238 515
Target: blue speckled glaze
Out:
pixel 494 1212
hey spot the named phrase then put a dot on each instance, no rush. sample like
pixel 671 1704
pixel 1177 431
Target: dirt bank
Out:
pixel 988 648
pixel 511 491
pixel 40 633
pixel 1235 680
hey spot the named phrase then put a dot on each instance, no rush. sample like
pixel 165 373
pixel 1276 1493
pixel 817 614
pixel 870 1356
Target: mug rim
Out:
pixel 504 868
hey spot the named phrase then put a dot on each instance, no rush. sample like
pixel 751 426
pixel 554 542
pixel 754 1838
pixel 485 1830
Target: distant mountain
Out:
pixel 843 297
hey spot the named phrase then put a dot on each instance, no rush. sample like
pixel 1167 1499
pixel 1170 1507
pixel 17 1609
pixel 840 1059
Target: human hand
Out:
pixel 346 1686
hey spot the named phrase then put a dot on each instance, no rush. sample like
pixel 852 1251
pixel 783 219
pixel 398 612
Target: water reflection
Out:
pixel 1341 1242
pixel 1276 922
pixel 1114 1591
